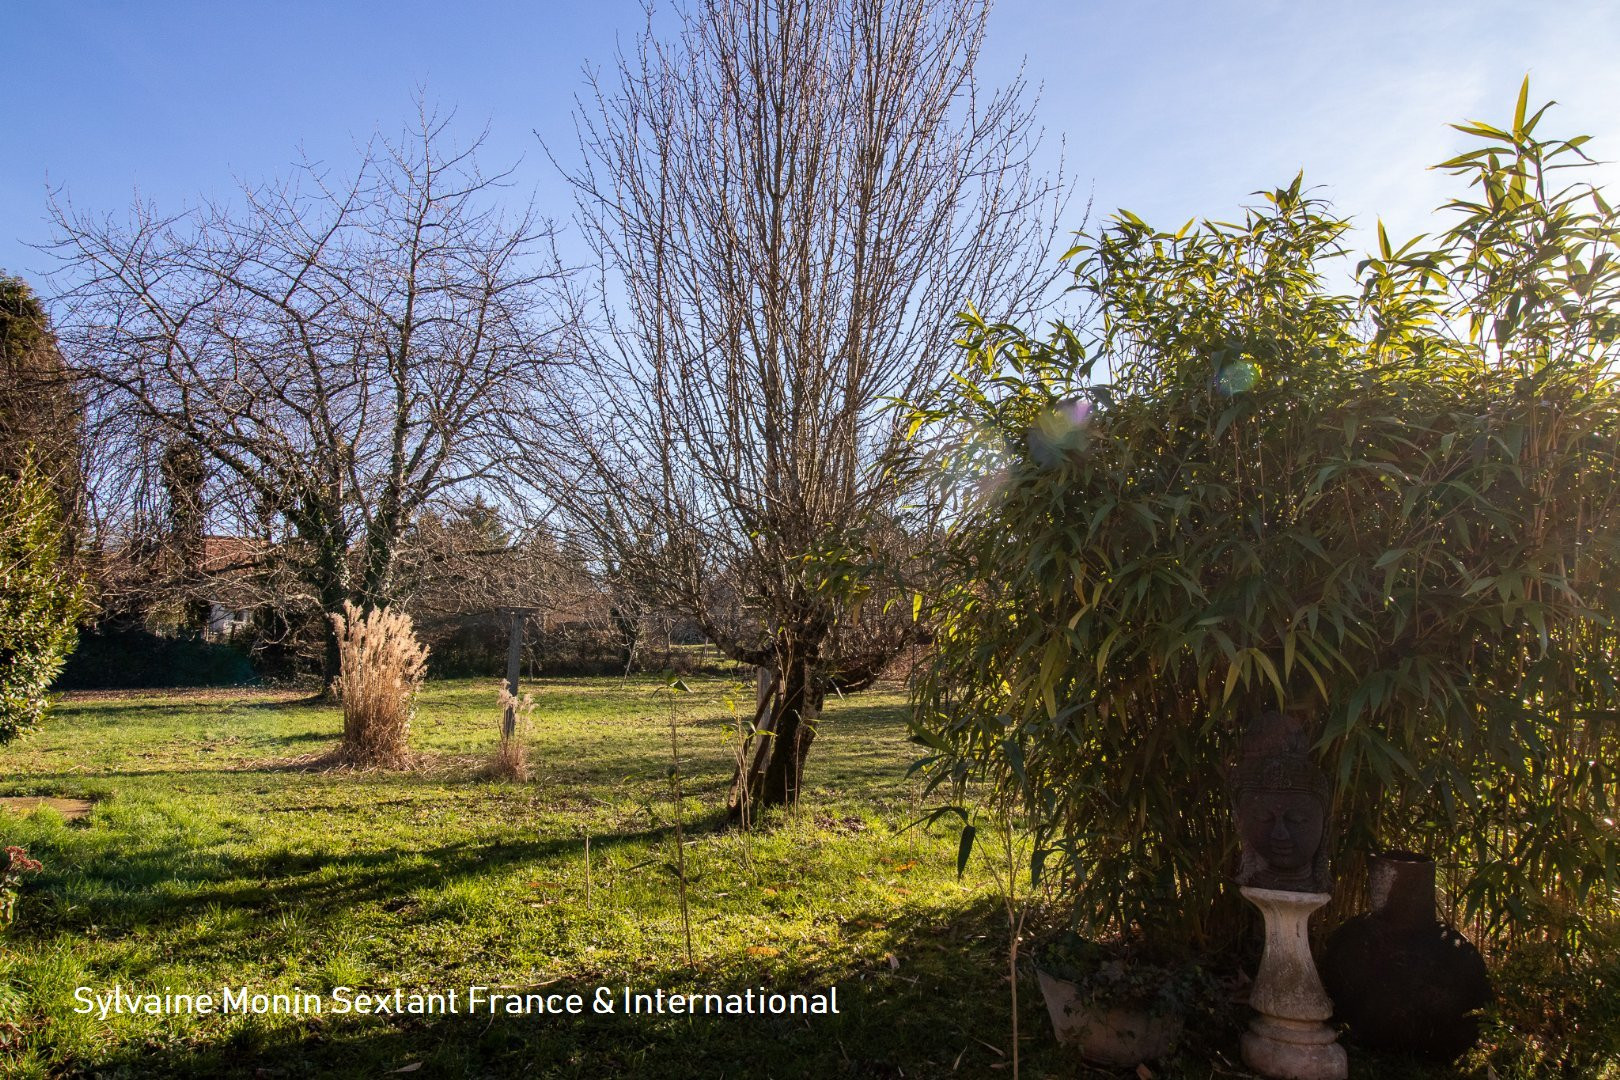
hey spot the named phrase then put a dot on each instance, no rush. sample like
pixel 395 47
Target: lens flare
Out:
pixel 1060 429
pixel 1237 377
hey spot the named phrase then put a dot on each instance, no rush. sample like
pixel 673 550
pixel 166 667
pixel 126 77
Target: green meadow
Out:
pixel 220 853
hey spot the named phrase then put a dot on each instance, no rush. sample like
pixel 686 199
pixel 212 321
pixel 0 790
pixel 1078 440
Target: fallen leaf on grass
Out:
pixel 412 1067
pixel 998 1051
pixel 894 961
pixel 762 950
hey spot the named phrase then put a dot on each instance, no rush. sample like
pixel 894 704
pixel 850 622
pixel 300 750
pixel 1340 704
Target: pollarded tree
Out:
pixel 791 198
pixel 342 354
pixel 1397 515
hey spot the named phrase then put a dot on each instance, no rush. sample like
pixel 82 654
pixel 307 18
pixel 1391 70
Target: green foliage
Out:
pixel 1552 1018
pixel 1122 977
pixel 16 864
pixel 39 411
pixel 1234 490
pixel 41 599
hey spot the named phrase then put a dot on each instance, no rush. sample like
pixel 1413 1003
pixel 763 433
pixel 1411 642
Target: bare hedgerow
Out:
pixel 382 666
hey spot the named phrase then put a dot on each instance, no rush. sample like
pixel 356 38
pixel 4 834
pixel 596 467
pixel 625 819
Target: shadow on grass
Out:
pixel 308 736
pixel 650 1047
pixel 924 997
pixel 126 886
pixel 937 1015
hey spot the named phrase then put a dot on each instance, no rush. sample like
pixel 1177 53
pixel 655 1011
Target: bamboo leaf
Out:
pixel 964 848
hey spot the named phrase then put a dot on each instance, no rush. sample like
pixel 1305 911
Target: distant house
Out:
pixel 224 622
pixel 229 562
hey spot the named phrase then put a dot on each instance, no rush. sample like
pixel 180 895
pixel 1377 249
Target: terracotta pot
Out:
pixel 1401 979
pixel 1104 1034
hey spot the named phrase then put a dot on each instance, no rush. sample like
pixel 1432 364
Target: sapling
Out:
pixel 675 686
pixel 1014 855
pixel 741 736
pixel 1006 872
pixel 587 870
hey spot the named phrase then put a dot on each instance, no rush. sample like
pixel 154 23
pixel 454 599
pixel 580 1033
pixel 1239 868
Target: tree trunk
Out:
pixel 628 627
pixel 331 658
pixel 332 594
pixel 774 773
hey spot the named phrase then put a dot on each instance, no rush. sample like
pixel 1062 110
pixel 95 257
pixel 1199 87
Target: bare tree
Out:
pixel 790 200
pixel 466 560
pixel 342 354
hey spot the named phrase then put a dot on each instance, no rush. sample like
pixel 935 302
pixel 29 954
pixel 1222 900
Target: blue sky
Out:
pixel 1172 109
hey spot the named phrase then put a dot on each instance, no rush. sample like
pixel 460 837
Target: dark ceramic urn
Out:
pixel 1401 979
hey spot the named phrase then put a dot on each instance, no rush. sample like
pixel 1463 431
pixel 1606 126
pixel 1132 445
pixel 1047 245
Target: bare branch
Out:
pixel 344 353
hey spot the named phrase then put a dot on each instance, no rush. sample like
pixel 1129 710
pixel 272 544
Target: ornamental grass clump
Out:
pixel 511 758
pixel 383 665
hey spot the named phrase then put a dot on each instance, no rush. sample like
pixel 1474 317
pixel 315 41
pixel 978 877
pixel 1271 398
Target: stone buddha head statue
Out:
pixel 1280 800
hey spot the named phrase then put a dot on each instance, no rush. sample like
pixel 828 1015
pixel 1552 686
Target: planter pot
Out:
pixel 1401 979
pixel 1108 1035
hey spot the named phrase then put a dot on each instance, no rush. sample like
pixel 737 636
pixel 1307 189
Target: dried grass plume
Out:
pixel 511 759
pixel 383 665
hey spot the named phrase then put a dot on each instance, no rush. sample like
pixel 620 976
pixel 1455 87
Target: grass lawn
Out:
pixel 216 857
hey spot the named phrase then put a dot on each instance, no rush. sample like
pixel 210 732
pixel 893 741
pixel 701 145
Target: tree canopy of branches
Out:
pixel 1396 514
pixel 791 198
pixel 340 354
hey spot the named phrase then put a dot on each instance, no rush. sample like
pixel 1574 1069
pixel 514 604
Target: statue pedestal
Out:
pixel 1289 1040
